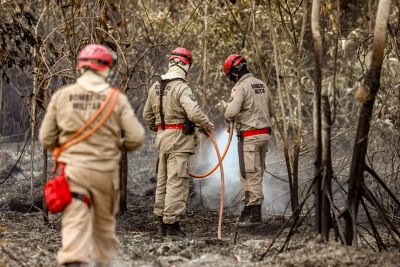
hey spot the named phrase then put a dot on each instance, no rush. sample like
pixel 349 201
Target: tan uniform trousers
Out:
pixel 90 231
pixel 254 161
pixel 172 186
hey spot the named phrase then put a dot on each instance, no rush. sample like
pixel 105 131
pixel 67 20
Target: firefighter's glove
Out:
pixel 210 126
pixel 153 127
pixel 230 124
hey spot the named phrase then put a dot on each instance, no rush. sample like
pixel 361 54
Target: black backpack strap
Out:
pixel 163 84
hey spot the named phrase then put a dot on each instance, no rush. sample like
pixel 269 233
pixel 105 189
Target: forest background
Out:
pixel 40 41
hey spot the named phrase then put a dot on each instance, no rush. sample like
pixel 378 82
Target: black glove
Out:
pixel 153 127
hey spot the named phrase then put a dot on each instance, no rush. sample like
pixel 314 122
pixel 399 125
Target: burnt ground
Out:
pixel 26 241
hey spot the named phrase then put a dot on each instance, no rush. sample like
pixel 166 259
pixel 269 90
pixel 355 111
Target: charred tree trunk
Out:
pixel 326 218
pixel 34 105
pixel 259 61
pixel 1 103
pixel 283 130
pixel 45 160
pixel 202 137
pixel 317 42
pixel 295 118
pixel 205 57
pixel 45 211
pixel 33 131
pixel 123 181
pixel 299 126
pixel 367 89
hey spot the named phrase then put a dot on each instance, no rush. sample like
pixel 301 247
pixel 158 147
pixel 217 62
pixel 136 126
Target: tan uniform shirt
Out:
pixel 178 102
pixel 250 106
pixel 70 107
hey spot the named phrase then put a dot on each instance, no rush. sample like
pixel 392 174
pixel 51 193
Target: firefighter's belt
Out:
pixel 178 126
pixel 256 132
pixel 82 197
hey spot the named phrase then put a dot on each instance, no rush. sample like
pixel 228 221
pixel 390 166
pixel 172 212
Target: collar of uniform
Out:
pixel 247 75
pixel 93 82
pixel 173 73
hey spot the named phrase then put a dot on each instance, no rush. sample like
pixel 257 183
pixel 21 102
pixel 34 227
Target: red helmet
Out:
pixel 95 57
pixel 232 60
pixel 182 54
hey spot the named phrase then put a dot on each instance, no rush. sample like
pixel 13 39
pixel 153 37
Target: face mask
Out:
pixel 237 71
pixel 105 73
pixel 233 77
pixel 179 64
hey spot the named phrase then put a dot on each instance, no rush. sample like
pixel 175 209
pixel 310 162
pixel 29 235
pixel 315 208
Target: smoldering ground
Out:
pixel 27 241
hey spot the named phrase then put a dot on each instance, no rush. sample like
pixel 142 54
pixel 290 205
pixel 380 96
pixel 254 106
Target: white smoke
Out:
pixel 207 190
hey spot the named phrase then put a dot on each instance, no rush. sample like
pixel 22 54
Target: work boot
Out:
pixel 255 214
pixel 245 213
pixel 174 232
pixel 253 218
pixel 162 228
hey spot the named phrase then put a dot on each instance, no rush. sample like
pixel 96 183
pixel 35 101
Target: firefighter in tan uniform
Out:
pixel 92 166
pixel 171 110
pixel 250 107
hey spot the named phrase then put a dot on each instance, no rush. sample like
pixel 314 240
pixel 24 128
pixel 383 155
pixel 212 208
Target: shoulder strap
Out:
pixel 79 136
pixel 163 84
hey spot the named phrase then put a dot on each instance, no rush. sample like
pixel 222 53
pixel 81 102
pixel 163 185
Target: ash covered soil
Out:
pixel 26 241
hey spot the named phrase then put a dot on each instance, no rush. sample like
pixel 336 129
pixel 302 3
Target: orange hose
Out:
pixel 204 175
pixel 221 204
pixel 219 164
